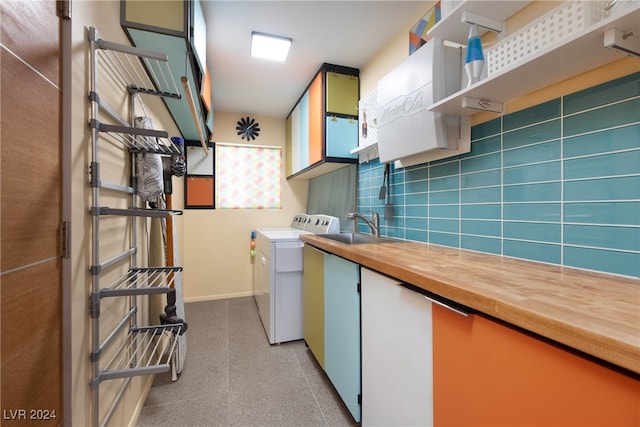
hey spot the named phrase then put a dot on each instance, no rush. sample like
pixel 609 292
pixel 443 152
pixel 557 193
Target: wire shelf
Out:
pixel 142 281
pixel 137 69
pixel 146 350
pixel 551 29
pixel 138 140
pixel 127 350
pixel 139 212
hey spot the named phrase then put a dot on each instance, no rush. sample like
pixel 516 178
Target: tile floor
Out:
pixel 233 377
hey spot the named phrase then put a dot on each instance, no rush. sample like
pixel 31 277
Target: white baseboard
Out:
pixel 219 296
pixel 141 401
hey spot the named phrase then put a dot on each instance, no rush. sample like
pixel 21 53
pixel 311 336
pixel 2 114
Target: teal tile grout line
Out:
pixel 562 187
pixel 502 186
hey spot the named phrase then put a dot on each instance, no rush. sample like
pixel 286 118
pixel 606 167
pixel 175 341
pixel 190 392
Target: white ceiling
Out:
pixel 344 33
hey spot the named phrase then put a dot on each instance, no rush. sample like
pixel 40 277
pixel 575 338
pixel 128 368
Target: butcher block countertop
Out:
pixel 598 314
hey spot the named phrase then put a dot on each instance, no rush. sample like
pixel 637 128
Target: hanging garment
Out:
pixel 149 168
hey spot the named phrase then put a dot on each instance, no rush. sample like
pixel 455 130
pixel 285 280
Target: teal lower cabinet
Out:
pixel 342 329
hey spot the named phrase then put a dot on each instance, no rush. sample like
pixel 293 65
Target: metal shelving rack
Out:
pixel 129 350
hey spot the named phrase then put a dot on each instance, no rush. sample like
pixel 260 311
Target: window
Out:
pixel 248 177
pixel 198 184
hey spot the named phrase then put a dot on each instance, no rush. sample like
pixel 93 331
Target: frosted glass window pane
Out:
pixel 197 162
pixel 248 177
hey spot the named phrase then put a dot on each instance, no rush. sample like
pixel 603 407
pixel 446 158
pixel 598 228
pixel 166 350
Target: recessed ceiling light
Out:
pixel 270 47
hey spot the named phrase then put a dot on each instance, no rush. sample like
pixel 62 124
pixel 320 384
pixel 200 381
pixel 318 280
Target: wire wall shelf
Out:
pixel 136 69
pixel 129 350
pixel 146 350
pixel 142 281
pixel 138 140
pixel 140 212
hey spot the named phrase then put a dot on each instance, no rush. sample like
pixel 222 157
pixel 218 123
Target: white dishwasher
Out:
pixel 277 279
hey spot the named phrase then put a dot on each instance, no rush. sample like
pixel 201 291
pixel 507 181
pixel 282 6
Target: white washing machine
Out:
pixel 277 276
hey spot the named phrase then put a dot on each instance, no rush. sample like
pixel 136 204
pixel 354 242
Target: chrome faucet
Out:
pixel 374 223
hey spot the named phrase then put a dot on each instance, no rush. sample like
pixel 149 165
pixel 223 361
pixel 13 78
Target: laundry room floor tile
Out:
pixel 233 377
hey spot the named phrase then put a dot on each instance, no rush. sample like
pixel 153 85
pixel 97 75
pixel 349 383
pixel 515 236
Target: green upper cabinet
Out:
pixel 342 93
pixel 322 127
pixel 167 15
pixel 177 29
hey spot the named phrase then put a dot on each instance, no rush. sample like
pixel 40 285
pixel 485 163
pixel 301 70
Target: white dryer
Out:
pixel 277 278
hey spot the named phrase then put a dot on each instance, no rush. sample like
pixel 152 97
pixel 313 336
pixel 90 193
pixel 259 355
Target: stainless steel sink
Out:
pixel 356 238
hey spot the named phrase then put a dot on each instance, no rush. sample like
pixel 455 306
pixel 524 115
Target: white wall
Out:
pixel 391 55
pixel 216 258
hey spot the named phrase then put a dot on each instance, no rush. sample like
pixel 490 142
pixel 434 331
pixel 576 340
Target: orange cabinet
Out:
pixel 488 374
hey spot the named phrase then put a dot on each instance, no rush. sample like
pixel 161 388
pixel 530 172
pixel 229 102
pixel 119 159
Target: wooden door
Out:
pixel 31 200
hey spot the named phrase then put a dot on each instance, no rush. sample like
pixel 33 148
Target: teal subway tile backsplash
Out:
pixel 535 153
pixel 615 188
pixel 481 195
pixel 491 144
pixel 606 93
pixel 535 231
pixel 444 211
pixel 482 244
pixel 539 172
pixel 540 192
pixel 624 138
pixel 481 211
pixel 416 223
pixel 421 186
pixel 481 227
pixel 418 211
pixel 416 174
pixel 619 114
pixel 604 165
pixel 415 235
pixel 481 163
pixel 445 225
pixel 537 212
pixel 540 113
pixel 609 261
pixel 532 134
pixel 613 213
pixel 557 183
pixel 480 179
pixel 532 250
pixel 446 183
pixel 599 236
pixel 486 129
pixel 444 197
pixel 444 169
pixel 416 198
pixel 444 239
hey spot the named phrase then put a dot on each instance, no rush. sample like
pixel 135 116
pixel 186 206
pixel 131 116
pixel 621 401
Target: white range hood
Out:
pixel 407 132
